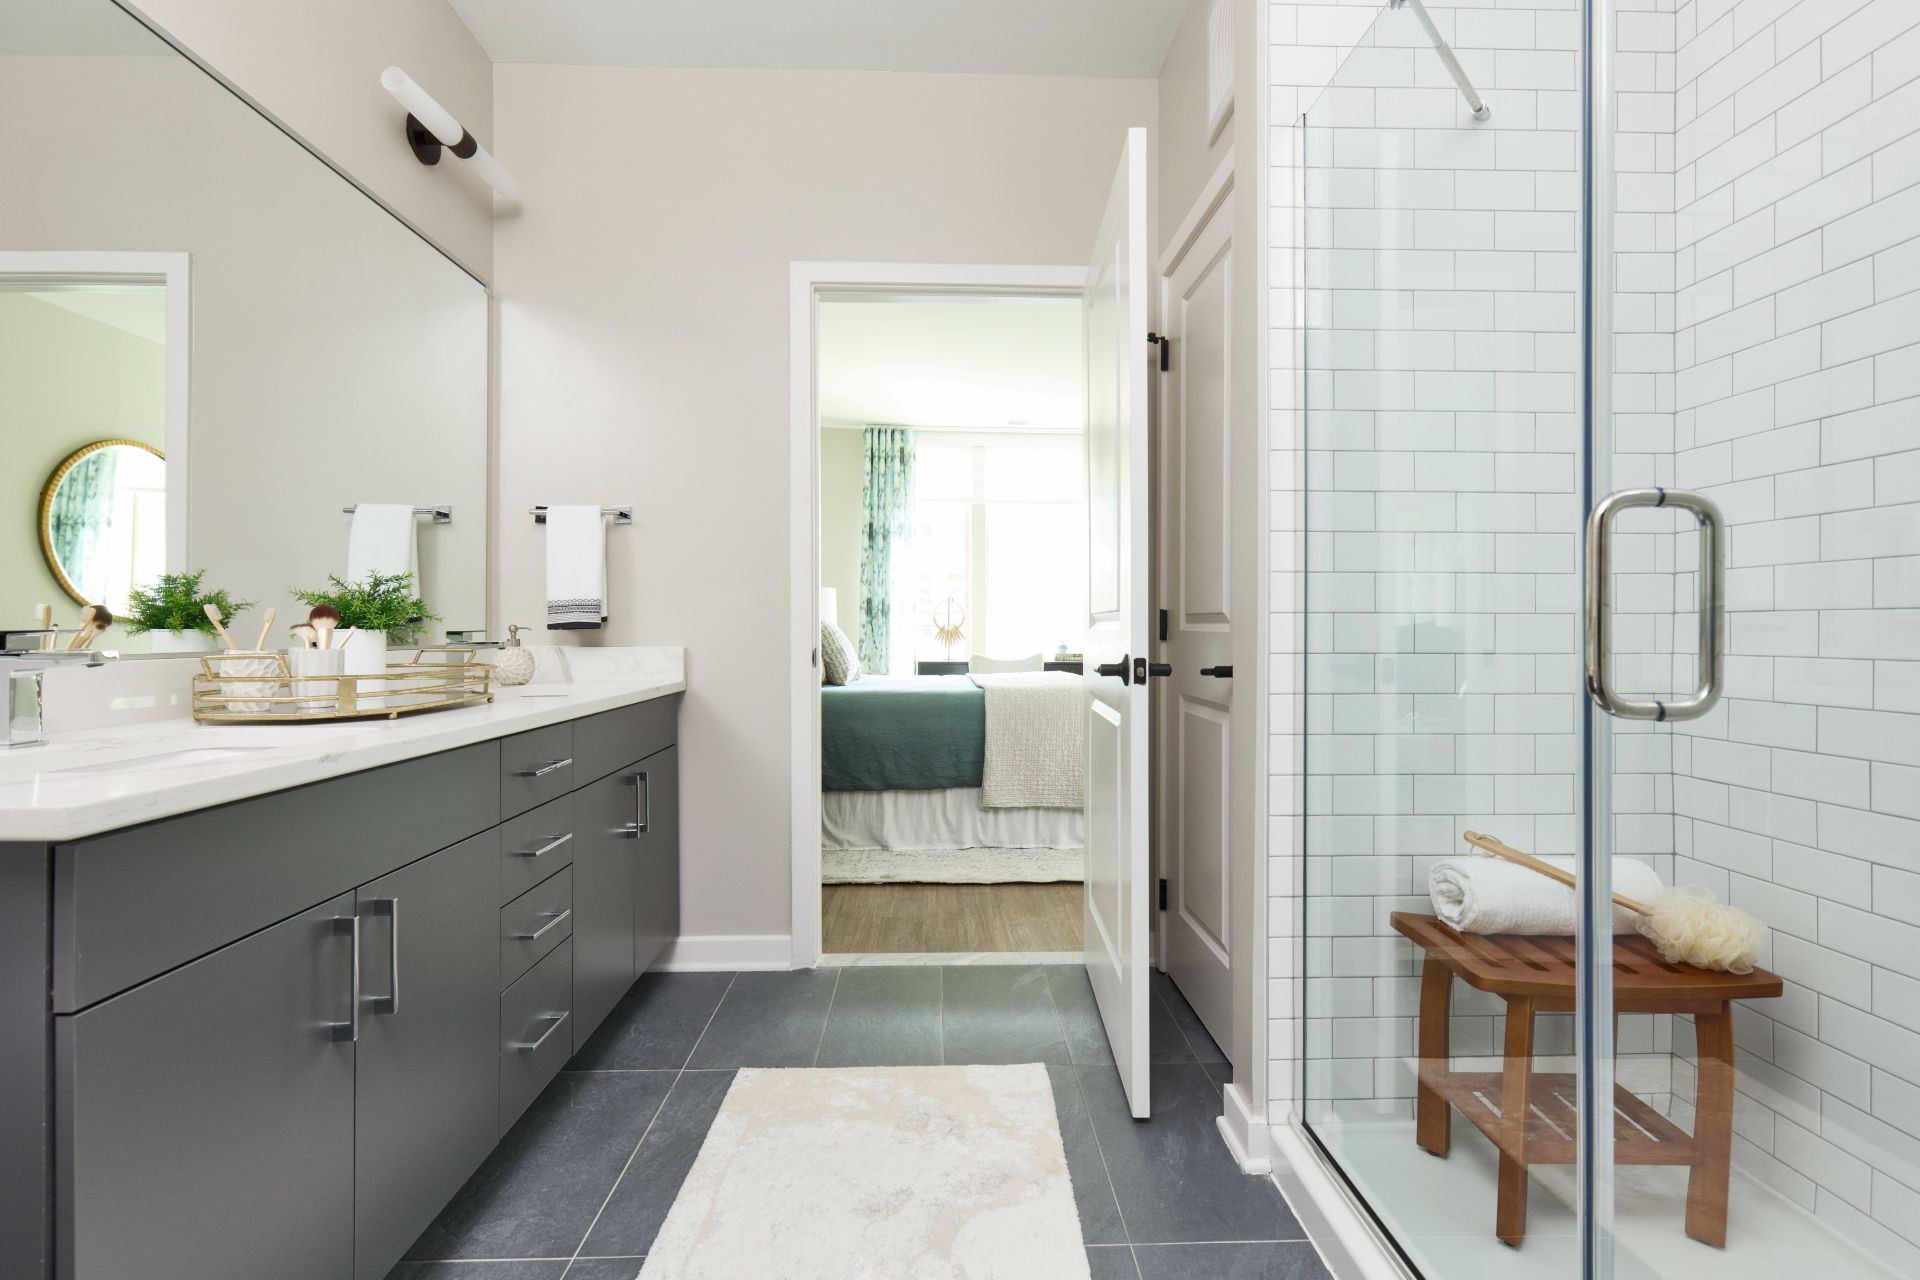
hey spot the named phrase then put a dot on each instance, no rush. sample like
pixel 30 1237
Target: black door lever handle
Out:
pixel 1218 673
pixel 1159 668
pixel 1118 670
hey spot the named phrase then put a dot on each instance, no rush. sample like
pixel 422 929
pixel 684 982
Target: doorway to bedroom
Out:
pixel 953 584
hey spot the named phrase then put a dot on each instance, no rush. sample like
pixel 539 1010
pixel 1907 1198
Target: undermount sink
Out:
pixel 191 756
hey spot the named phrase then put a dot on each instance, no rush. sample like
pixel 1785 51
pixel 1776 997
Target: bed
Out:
pixel 908 795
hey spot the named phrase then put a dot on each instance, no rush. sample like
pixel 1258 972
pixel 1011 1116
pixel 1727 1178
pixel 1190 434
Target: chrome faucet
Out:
pixel 24 669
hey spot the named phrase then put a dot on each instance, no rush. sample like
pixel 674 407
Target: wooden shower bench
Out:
pixel 1531 1118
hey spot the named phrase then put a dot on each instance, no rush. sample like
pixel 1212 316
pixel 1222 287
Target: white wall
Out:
pixel 843 482
pixel 65 382
pixel 643 352
pixel 316 67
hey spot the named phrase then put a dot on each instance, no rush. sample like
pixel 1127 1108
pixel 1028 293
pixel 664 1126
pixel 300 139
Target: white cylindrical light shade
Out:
pixel 437 119
pixel 490 171
pixel 830 605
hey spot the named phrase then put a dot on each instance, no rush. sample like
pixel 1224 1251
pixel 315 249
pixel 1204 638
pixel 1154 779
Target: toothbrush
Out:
pixel 265 628
pixel 43 616
pixel 213 616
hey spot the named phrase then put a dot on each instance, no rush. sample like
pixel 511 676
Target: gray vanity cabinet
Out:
pixel 427 1100
pixel 656 868
pixel 606 814
pixel 205 1119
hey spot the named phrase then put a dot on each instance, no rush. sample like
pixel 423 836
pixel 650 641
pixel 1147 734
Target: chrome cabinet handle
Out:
pixel 390 1002
pixel 349 927
pixel 553 842
pixel 557 917
pixel 545 769
pixel 1712 615
pixel 531 1046
pixel 642 805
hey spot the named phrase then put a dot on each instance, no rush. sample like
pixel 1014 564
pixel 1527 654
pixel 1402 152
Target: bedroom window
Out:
pixel 1000 528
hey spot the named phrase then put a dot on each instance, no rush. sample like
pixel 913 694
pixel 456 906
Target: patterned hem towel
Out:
pixel 576 569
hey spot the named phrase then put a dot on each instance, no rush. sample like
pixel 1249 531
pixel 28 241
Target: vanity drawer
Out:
pixel 608 740
pixel 534 923
pixel 536 1031
pixel 535 845
pixel 535 767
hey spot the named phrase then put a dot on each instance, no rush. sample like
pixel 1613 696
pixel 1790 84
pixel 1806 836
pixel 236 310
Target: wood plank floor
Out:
pixel 950 917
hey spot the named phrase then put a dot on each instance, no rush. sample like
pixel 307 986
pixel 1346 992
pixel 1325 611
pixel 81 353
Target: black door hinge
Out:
pixel 1163 624
pixel 1163 893
pixel 1165 344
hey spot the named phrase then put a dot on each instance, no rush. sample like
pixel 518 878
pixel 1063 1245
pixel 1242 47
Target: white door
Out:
pixel 1195 711
pixel 1117 876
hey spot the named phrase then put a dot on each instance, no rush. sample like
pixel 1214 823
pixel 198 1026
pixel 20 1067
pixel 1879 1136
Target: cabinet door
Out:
pixel 605 838
pixel 656 871
pixel 205 1125
pixel 428 1094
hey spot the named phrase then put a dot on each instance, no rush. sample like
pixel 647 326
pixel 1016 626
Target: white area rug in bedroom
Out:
pixel 951 866
pixel 877 1173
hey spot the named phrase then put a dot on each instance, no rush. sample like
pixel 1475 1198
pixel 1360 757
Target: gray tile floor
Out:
pixel 577 1190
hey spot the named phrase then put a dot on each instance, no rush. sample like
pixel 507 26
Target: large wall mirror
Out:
pixel 212 344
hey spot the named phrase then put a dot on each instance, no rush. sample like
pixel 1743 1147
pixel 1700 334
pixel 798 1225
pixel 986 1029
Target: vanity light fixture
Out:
pixel 431 126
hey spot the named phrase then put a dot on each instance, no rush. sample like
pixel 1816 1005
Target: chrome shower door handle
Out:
pixel 1712 615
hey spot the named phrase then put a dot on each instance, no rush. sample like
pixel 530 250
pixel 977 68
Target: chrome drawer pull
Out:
pixel 553 842
pixel 642 806
pixel 558 916
pixel 349 927
pixel 531 1046
pixel 390 1002
pixel 545 769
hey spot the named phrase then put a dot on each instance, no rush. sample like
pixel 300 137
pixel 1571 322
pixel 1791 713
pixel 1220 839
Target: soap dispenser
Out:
pixel 514 663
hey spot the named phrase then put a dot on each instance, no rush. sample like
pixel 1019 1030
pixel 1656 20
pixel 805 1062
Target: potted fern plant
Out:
pixel 377 609
pixel 172 613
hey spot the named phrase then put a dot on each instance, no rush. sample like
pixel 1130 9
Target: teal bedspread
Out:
pixel 902 733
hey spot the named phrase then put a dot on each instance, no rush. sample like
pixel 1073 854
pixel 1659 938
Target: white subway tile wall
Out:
pixel 1425 444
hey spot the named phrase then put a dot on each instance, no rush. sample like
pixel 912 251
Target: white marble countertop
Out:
pixel 85 781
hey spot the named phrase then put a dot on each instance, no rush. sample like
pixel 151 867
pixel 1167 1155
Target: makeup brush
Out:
pixel 96 619
pixel 1686 923
pixel 304 633
pixel 213 616
pixel 323 619
pixel 265 628
pixel 345 636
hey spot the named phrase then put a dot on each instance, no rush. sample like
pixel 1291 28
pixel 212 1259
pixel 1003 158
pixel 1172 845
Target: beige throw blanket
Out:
pixel 1036 751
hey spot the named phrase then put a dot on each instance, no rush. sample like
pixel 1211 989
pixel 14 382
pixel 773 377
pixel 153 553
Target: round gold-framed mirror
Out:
pixel 103 521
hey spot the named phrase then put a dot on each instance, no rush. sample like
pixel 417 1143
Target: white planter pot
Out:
pixel 182 641
pixel 366 655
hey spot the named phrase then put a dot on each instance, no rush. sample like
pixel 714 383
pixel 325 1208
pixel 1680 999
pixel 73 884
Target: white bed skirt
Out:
pixel 945 837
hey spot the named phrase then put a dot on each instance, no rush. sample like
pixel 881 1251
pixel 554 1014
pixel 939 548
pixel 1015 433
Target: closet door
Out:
pixel 607 835
pixel 428 1093
pixel 206 1131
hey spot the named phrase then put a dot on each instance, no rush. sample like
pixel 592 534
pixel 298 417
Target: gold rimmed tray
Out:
pixel 260 688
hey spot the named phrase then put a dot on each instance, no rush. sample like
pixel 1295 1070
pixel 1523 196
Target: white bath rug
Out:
pixel 877 1173
pixel 951 866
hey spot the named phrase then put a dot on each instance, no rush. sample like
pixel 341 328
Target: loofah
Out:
pixel 1690 927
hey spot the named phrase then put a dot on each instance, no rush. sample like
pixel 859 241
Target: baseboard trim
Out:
pixel 1348 1240
pixel 1245 1132
pixel 728 951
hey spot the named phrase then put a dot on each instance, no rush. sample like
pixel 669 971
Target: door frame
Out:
pixel 808 282
pixel 170 270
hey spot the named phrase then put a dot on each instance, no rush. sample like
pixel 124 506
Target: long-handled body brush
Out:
pixel 1686 924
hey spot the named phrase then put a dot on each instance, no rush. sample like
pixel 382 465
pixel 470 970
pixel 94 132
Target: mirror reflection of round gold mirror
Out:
pixel 103 521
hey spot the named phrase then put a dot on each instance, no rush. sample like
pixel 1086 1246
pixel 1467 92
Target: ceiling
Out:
pixel 140 310
pixel 976 364
pixel 1125 38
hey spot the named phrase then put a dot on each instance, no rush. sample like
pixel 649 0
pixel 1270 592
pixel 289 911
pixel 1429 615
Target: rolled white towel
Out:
pixel 1477 894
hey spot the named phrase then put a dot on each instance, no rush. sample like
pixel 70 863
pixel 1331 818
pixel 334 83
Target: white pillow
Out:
pixel 839 660
pixel 981 665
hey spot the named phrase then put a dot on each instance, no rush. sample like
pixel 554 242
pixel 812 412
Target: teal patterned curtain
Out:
pixel 80 516
pixel 887 525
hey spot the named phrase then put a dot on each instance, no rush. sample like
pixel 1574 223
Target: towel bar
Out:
pixel 441 515
pixel 621 515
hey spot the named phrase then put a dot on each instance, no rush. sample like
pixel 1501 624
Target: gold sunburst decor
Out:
pixel 949 623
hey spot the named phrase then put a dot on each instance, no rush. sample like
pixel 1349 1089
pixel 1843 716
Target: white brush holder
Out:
pixel 316 694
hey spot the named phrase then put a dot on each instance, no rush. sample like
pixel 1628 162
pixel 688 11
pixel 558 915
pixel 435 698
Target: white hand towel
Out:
pixel 382 541
pixel 576 569
pixel 1478 894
